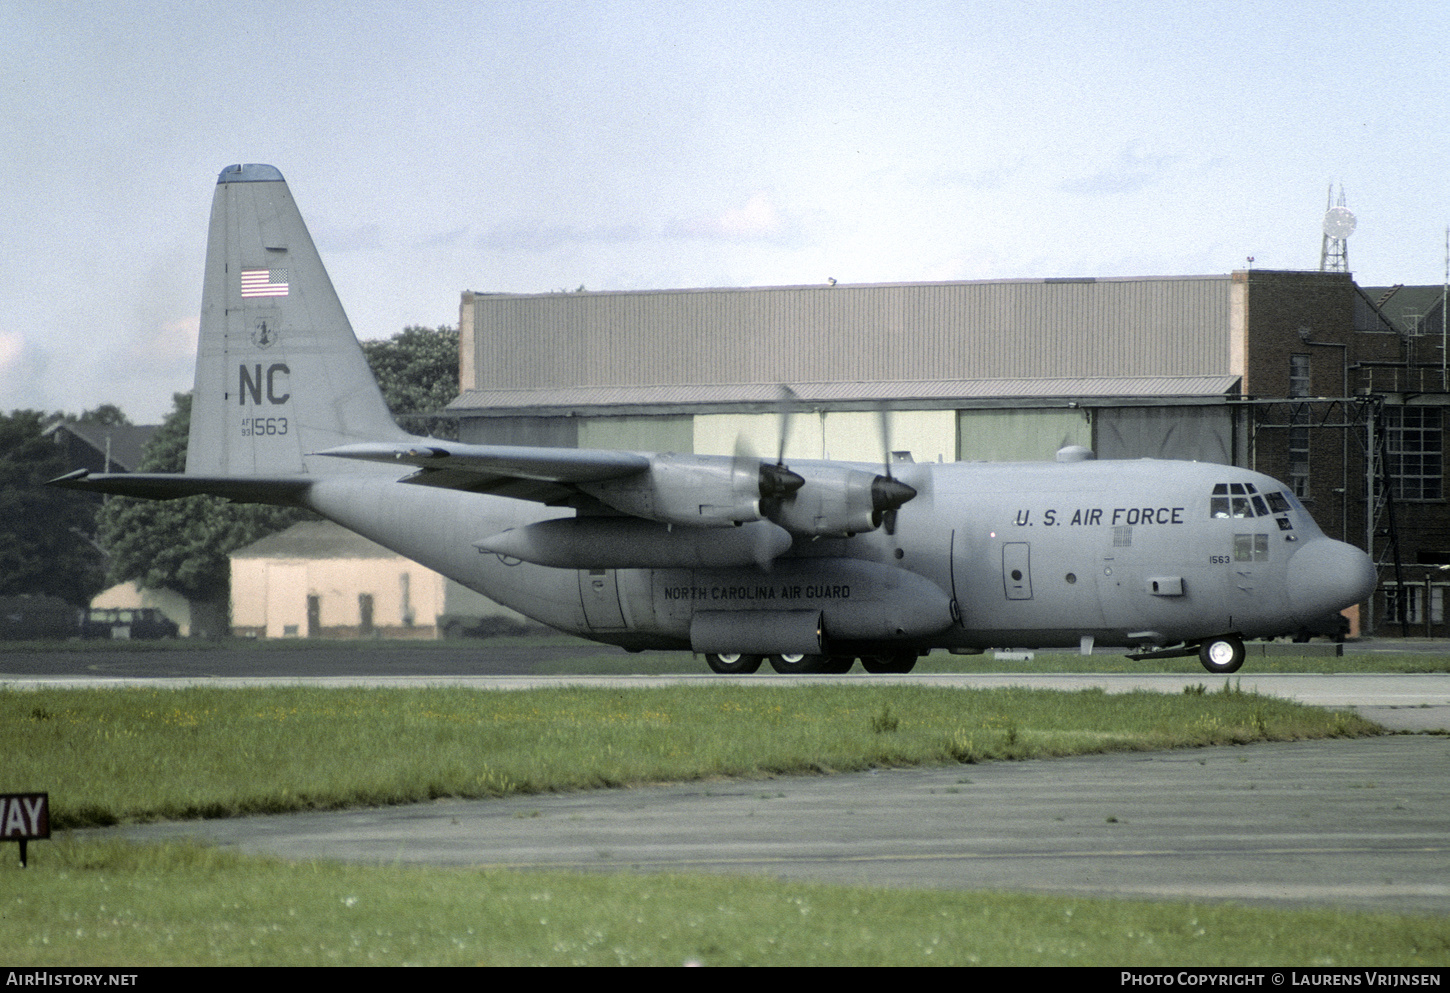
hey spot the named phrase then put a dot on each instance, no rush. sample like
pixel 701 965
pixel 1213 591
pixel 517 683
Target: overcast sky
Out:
pixel 533 147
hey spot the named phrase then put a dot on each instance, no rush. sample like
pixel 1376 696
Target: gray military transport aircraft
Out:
pixel 810 565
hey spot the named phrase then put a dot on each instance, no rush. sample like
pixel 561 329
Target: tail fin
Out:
pixel 279 372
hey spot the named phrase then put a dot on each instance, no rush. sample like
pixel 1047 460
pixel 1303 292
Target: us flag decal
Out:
pixel 264 283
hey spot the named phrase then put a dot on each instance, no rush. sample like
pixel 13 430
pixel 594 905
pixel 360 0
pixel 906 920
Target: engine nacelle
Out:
pixel 835 502
pixel 693 490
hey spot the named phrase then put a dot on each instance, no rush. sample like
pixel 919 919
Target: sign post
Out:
pixel 24 816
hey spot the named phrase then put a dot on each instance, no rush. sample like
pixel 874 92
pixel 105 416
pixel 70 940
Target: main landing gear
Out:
pixel 798 664
pixel 734 662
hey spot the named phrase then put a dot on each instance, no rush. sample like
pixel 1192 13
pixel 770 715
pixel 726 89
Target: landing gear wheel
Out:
pixel 838 664
pixel 734 662
pixel 794 664
pixel 1222 656
pixel 901 662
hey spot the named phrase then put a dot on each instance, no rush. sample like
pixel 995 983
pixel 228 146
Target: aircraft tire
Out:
pixel 901 662
pixel 1222 656
pixel 796 665
pixel 838 664
pixel 730 663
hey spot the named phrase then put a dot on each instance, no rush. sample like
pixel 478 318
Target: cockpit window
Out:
pixel 1242 500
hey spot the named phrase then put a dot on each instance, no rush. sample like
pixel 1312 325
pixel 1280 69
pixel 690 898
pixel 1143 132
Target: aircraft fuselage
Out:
pixel 987 555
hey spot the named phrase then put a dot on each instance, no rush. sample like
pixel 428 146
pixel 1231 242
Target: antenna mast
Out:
pixel 1338 226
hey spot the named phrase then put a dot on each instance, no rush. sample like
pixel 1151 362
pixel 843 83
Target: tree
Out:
pixel 417 370
pixel 106 415
pixel 45 533
pixel 183 545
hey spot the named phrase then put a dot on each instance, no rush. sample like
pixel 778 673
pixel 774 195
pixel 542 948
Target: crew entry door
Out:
pixel 599 590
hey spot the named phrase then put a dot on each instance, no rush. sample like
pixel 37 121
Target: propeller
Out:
pixel 770 484
pixel 776 482
pixel 887 492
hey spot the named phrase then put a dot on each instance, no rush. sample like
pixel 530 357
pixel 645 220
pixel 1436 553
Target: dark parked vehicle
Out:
pixel 25 617
pixel 120 623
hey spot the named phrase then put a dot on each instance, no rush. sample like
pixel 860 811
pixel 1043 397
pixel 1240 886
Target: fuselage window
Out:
pixel 1251 548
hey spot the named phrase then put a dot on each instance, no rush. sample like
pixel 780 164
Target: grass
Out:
pixel 115 755
pixel 101 903
pixel 110 756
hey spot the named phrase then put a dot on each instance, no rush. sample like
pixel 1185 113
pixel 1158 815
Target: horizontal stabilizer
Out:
pixel 284 491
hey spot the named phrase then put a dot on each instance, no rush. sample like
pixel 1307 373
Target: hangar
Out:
pixel 1334 388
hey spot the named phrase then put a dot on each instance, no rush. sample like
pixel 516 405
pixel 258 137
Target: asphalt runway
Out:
pixel 1359 824
pixel 274 661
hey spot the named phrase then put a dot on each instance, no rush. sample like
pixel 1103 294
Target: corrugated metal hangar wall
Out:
pixel 1007 370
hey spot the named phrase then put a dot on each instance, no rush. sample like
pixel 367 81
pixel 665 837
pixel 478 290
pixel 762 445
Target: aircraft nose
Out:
pixel 1327 575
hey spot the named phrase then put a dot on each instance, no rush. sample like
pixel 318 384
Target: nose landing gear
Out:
pixel 1222 655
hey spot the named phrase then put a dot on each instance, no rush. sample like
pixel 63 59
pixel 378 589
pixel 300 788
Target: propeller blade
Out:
pixel 785 404
pixel 883 428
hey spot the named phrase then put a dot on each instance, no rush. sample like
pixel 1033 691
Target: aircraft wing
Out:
pixel 544 475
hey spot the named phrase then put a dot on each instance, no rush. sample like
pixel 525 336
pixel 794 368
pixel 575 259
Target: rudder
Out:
pixel 279 372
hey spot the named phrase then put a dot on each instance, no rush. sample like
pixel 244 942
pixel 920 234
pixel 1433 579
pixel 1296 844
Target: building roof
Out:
pixel 900 334
pixel 314 540
pixel 1409 306
pixel 126 441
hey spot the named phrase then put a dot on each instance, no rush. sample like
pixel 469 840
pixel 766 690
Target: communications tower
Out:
pixel 1338 226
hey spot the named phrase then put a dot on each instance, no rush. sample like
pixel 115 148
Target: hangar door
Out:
pixel 1196 434
pixel 1019 435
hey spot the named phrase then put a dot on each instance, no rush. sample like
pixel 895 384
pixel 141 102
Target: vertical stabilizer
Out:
pixel 279 372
